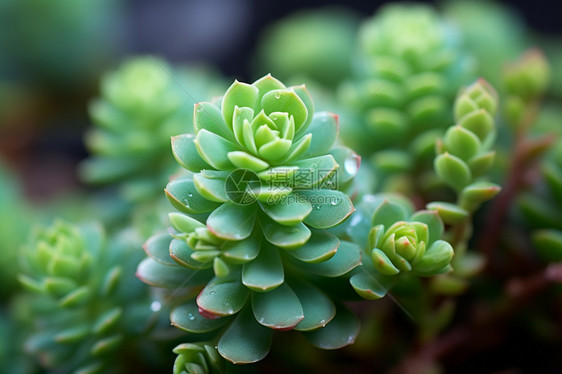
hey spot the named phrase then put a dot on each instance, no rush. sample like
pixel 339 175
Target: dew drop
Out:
pixel 277 95
pixel 334 202
pixel 351 164
pixel 318 207
pixel 323 323
pixel 189 194
pixel 155 306
pixel 212 292
pixel 190 317
pixel 261 320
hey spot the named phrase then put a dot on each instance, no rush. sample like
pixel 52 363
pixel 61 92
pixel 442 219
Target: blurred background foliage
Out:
pixel 55 60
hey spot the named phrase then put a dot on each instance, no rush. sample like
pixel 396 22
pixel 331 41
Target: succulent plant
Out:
pixel 87 306
pixel 395 241
pixel 465 152
pixel 259 194
pixel 410 67
pixel 142 104
pixel 197 358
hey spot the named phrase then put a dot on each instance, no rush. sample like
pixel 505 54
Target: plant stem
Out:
pixel 484 326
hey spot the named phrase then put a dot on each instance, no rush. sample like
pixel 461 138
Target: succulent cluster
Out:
pixel 260 192
pixel 395 240
pixel 465 152
pixel 86 304
pixel 410 68
pixel 142 104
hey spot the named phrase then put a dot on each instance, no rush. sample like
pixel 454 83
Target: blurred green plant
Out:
pixel 87 310
pixel 143 103
pixel 409 68
pixel 311 45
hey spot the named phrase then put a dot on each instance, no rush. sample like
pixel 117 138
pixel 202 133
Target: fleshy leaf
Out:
pixel 183 195
pixel 215 149
pixel 340 332
pixel 388 213
pixel 347 257
pixel 241 95
pixel 449 213
pixel 187 318
pixel 321 246
pixel 207 116
pixel 158 275
pixel 158 248
pixel 452 170
pixel 184 223
pixel 242 251
pixel 266 272
pixel 313 171
pixel 290 210
pixel 222 297
pixel 245 160
pixel 210 188
pixel 433 222
pixel 318 309
pixel 232 222
pixel 286 237
pixel 324 130
pixel 186 154
pixel 245 341
pixel 369 286
pixel 285 100
pixel 279 309
pixel 182 254
pixel 330 208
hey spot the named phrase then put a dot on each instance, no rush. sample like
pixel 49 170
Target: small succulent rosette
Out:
pixel 85 304
pixel 396 241
pixel 409 69
pixel 142 104
pixel 260 194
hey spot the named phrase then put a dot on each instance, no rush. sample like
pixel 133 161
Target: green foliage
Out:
pixel 86 307
pixel 259 194
pixel 395 241
pixel 409 69
pixel 197 358
pixel 142 105
pixel 465 152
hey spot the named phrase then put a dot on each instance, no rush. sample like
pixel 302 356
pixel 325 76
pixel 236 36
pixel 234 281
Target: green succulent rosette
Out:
pixel 409 69
pixel 255 205
pixel 197 358
pixel 263 157
pixel 142 104
pixel 85 305
pixel 396 241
